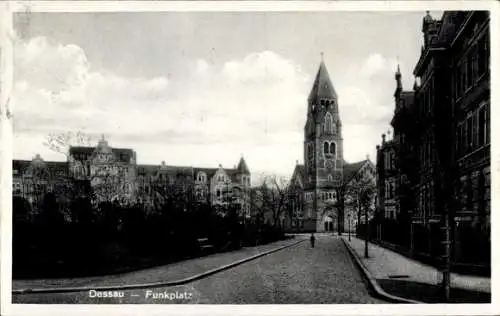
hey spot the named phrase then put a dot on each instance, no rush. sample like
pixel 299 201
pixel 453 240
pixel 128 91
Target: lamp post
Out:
pixel 349 220
pixel 367 227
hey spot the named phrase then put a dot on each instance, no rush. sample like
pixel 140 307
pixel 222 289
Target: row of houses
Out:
pixel 114 175
pixel 438 161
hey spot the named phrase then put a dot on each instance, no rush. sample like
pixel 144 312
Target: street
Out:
pixel 296 275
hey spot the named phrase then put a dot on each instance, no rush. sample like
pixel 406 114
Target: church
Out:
pixel 315 186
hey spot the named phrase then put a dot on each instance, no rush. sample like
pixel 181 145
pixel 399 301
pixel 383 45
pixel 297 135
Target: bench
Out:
pixel 204 246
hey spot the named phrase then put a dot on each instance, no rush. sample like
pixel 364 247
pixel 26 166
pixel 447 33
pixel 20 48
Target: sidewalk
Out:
pixel 166 273
pixel 404 277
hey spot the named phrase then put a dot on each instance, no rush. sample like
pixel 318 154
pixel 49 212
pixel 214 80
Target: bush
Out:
pixel 112 238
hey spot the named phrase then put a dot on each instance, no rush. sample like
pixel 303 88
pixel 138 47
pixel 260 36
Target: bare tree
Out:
pixel 358 190
pixel 274 197
pixel 61 142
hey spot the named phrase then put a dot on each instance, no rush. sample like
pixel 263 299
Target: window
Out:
pixel 470 71
pixel 464 76
pixel 325 148
pixel 328 124
pixel 458 88
pixel 218 192
pixel 463 139
pixel 332 148
pixel 330 178
pixel 482 58
pixel 470 132
pixel 487 115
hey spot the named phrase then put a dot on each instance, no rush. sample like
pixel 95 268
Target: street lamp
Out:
pixel 367 232
pixel 349 220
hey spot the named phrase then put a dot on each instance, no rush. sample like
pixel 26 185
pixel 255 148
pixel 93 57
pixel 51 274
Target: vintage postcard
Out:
pixel 248 157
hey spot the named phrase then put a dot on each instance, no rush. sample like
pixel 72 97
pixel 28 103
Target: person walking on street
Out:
pixel 312 238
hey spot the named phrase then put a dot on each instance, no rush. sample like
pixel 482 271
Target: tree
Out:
pixel 274 198
pixel 21 211
pixel 362 192
pixel 61 142
pixel 294 203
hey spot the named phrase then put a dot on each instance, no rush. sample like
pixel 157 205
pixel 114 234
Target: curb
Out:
pixel 156 284
pixel 373 282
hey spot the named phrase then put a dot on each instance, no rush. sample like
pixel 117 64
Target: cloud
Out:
pixel 54 82
pixel 245 103
pixel 366 104
pixel 254 105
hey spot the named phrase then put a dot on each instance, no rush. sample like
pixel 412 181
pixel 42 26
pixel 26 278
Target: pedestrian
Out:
pixel 312 238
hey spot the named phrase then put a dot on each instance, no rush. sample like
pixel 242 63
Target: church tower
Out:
pixel 323 152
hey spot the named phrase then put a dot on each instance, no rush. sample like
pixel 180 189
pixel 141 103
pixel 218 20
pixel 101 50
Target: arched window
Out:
pixel 328 124
pixel 325 147
pixel 332 148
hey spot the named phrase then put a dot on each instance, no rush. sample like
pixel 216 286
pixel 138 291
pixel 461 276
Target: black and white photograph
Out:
pixel 241 156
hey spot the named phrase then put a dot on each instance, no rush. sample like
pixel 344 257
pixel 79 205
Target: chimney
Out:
pixel 383 139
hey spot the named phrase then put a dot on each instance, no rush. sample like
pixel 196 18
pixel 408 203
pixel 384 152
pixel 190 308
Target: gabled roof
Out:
pixel 147 170
pixel 20 165
pixel 208 171
pixel 84 153
pixel 322 87
pixel 351 169
pixel 300 172
pixel 233 174
pixel 54 168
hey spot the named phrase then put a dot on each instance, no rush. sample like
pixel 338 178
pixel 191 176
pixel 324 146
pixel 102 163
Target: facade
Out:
pixel 442 133
pixel 316 190
pixel 114 175
pixel 387 177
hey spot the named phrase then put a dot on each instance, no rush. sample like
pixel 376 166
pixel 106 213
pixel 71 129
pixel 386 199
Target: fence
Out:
pixel 471 251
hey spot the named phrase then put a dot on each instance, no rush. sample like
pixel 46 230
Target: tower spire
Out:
pixel 397 76
pixel 322 86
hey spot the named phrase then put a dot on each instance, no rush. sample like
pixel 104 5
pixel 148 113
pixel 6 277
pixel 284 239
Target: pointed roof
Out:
pixel 322 87
pixel 242 166
pixel 351 169
pixel 300 171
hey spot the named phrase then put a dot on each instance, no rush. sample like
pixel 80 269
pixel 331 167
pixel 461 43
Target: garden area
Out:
pixel 87 240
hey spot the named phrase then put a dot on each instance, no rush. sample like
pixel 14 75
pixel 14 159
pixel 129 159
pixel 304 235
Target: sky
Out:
pixel 205 88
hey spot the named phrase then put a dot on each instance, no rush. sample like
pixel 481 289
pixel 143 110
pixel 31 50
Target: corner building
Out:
pixel 442 139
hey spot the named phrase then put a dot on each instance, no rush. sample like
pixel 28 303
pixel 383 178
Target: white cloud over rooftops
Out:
pixel 254 104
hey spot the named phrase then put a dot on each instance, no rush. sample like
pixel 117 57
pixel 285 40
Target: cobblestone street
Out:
pixel 296 275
